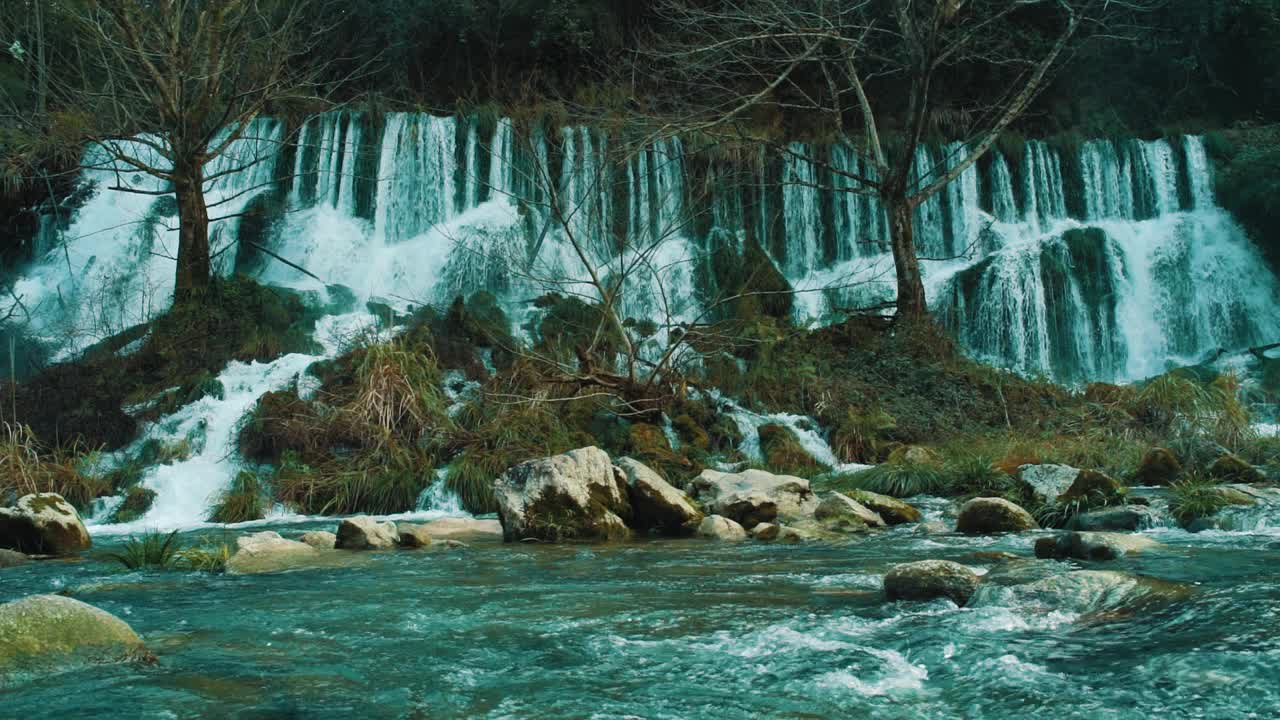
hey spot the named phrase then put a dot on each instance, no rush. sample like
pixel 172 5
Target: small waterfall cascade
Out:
pixel 1106 259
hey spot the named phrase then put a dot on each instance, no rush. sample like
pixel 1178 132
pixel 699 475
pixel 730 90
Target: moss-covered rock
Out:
pixel 783 452
pixel 574 496
pixel 1091 484
pixel 1092 545
pixel 649 444
pixel 915 455
pixel 45 631
pixel 930 579
pixel 892 510
pixel 137 501
pixel 1159 466
pixel 656 505
pixel 993 515
pixel 691 433
pixel 1232 468
pixel 44 524
pixel 842 513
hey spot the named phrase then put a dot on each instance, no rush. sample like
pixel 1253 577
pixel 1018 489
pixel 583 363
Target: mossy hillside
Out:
pixel 84 401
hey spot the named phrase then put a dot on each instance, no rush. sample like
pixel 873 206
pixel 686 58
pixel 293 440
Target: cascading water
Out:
pixel 1108 262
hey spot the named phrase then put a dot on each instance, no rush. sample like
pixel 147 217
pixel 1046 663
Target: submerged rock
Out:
pixel 1122 518
pixel 993 515
pixel 413 536
pixel 930 579
pixel 717 527
pixel 574 496
pixel 1159 466
pixel 469 528
pixel 840 512
pixel 773 532
pixel 892 510
pixel 1081 591
pixel 656 504
pixel 43 524
pixel 364 533
pixel 319 539
pixel 1047 482
pixel 10 558
pixel 1092 545
pixel 752 497
pixel 267 551
pixel 41 631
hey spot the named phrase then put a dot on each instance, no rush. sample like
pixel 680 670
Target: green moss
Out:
pixel 784 454
pixel 137 501
pixel 244 501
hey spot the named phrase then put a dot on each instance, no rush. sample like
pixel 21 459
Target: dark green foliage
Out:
pixel 150 551
pixel 137 501
pixel 783 453
pixel 1249 184
pixel 900 480
pixel 1195 498
pixel 245 500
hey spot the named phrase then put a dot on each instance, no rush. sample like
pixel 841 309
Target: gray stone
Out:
pixel 320 539
pixel 754 496
pixel 716 527
pixel 10 558
pixel 1047 482
pixel 43 524
pixel 1092 545
pixel 656 504
pixel 364 533
pixel 892 510
pixel 840 512
pixel 773 532
pixel 930 579
pixel 993 515
pixel 1119 518
pixel 575 496
pixel 267 551
pixel 413 536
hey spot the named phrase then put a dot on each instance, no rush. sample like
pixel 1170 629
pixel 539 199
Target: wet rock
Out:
pixel 319 539
pixel 413 536
pixel 468 528
pixel 754 496
pixel 1080 591
pixel 1091 483
pixel 1159 466
pixel 840 512
pixel 1092 546
pixel 574 496
pixel 365 533
pixel 1120 518
pixel 716 527
pixel 1047 482
pixel 929 579
pixel 993 515
pixel 892 510
pixel 773 532
pixel 1234 469
pixel 10 558
pixel 44 631
pixel 655 504
pixel 267 551
pixel 43 524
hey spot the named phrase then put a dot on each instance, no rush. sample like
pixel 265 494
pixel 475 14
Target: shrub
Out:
pixel 1195 498
pixel 27 467
pixel 860 436
pixel 244 501
pixel 900 480
pixel 208 557
pixel 784 454
pixel 137 501
pixel 151 551
pixel 971 476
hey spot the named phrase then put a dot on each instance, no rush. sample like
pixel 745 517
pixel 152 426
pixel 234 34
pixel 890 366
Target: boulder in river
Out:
pixel 413 536
pixel 575 496
pixel 44 631
pixel 1060 589
pixel 1092 545
pixel 840 512
pixel 43 524
pixel 319 539
pixel 993 515
pixel 364 533
pixel 892 510
pixel 930 579
pixel 656 504
pixel 1047 482
pixel 716 527
pixel 11 558
pixel 754 496
pixel 773 532
pixel 1159 466
pixel 1091 483
pixel 267 551
pixel 470 529
pixel 1117 518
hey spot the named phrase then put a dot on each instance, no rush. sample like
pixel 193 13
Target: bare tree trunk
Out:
pixel 193 272
pixel 911 300
pixel 42 65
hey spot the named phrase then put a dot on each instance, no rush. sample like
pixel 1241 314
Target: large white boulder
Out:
pixel 575 496
pixel 267 551
pixel 752 497
pixel 43 524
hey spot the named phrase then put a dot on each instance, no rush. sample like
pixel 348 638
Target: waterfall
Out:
pixel 1103 259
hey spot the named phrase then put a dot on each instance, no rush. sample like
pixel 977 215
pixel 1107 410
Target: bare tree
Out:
pixel 168 86
pixel 872 74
